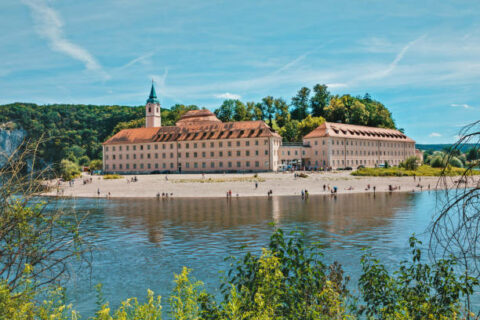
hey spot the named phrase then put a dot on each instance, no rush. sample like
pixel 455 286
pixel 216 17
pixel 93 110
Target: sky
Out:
pixel 420 58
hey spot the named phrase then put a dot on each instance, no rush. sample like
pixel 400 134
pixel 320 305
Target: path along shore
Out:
pixel 243 185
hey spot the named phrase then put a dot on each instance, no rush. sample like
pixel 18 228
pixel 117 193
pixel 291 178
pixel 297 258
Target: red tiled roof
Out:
pixel 341 130
pixel 195 131
pixel 137 135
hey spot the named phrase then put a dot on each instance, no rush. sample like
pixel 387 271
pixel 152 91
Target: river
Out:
pixel 142 243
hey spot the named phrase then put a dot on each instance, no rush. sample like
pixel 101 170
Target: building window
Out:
pixel 164 165
pixel 187 165
pixel 212 154
pixel 256 152
pixel 247 143
pixel 141 147
pixel 106 148
pixel 163 155
pixel 156 165
pixel 195 145
pixel 195 165
pixel 113 148
pixel 204 154
pixel 187 154
pixel 229 153
pixel 238 153
pixel 211 145
pixel 148 155
pixel 247 163
pixel 187 145
pixel 220 144
pixel 134 148
pixel 238 143
pixel 195 155
pixel 266 152
pixel 127 166
pixel 134 166
pixel 212 164
pixel 113 157
pixel 247 153
pixel 229 143
pixel 141 155
pixel 204 164
pixel 171 165
pixel 256 142
pixel 257 164
pixel 203 145
pixel 220 154
pixel 141 165
pixel 113 167
pixel 229 164
pixel 239 164
pixel 120 166
pixel 148 147
pixel 148 166
pixel 171 155
pixel 156 147
pixel 220 164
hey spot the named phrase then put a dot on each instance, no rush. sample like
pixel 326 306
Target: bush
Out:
pixel 112 176
pixel 302 175
pixel 69 170
pixel 423 170
pixel 437 162
pixel 411 163
pixel 96 164
pixel 455 162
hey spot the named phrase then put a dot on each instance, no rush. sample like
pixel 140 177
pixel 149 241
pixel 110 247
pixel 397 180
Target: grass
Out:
pixel 220 180
pixel 112 176
pixel 425 171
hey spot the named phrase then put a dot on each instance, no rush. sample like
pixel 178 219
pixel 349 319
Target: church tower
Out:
pixel 153 117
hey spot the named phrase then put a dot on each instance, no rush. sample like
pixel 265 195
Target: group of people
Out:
pixel 164 195
pixel 132 179
pixel 304 194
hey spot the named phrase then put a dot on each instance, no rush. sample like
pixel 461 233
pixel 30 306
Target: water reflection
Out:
pixel 145 241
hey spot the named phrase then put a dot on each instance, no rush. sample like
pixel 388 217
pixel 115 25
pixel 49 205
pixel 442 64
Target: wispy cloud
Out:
pixel 142 58
pixel 228 95
pixel 434 135
pixel 463 105
pixel 49 25
pixel 391 67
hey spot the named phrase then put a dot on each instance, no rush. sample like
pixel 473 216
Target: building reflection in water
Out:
pixel 341 214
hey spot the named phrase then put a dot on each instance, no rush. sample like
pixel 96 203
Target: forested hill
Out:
pixel 76 132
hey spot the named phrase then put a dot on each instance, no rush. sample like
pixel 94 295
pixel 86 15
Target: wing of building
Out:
pixel 338 145
pixel 200 142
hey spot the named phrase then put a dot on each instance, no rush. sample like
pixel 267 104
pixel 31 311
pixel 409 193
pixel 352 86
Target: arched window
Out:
pixel 149 109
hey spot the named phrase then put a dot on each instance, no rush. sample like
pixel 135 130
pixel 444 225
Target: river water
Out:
pixel 142 243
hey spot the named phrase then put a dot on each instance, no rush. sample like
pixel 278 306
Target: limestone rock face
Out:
pixel 10 139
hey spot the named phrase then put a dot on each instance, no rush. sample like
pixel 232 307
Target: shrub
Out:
pixel 112 176
pixel 96 164
pixel 69 170
pixel 411 163
pixel 455 162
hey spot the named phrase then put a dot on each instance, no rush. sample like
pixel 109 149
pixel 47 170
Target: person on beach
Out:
pixel 324 187
pixel 374 188
pixel 98 192
pixel 303 194
pixel 166 178
pixel 306 194
pixel 158 195
pixel 256 184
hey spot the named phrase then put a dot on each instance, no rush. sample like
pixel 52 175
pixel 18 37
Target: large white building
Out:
pixel 200 142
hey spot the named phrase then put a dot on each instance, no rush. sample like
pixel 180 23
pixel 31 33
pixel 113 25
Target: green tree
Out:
pixel 319 100
pixel 473 154
pixel 281 112
pixel 290 132
pixel 269 108
pixel 240 112
pixel 84 161
pixel 301 103
pixel 309 124
pixel 226 111
pixel 68 170
pixel 96 164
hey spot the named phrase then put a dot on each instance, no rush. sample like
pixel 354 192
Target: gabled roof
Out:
pixel 341 130
pixel 195 131
pixel 137 135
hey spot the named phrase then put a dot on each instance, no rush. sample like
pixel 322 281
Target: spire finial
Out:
pixel 152 98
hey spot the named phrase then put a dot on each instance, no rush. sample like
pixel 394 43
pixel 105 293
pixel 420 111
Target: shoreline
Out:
pixel 242 185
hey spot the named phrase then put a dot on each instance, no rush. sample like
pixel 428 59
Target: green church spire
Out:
pixel 153 95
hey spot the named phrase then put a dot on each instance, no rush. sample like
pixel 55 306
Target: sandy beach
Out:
pixel 242 185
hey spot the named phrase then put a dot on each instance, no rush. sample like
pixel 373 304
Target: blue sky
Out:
pixel 420 58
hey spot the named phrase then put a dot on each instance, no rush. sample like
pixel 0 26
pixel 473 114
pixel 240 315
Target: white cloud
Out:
pixel 464 105
pixel 228 95
pixel 49 25
pixel 434 135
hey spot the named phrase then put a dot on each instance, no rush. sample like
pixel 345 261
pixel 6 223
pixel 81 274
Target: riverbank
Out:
pixel 243 185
